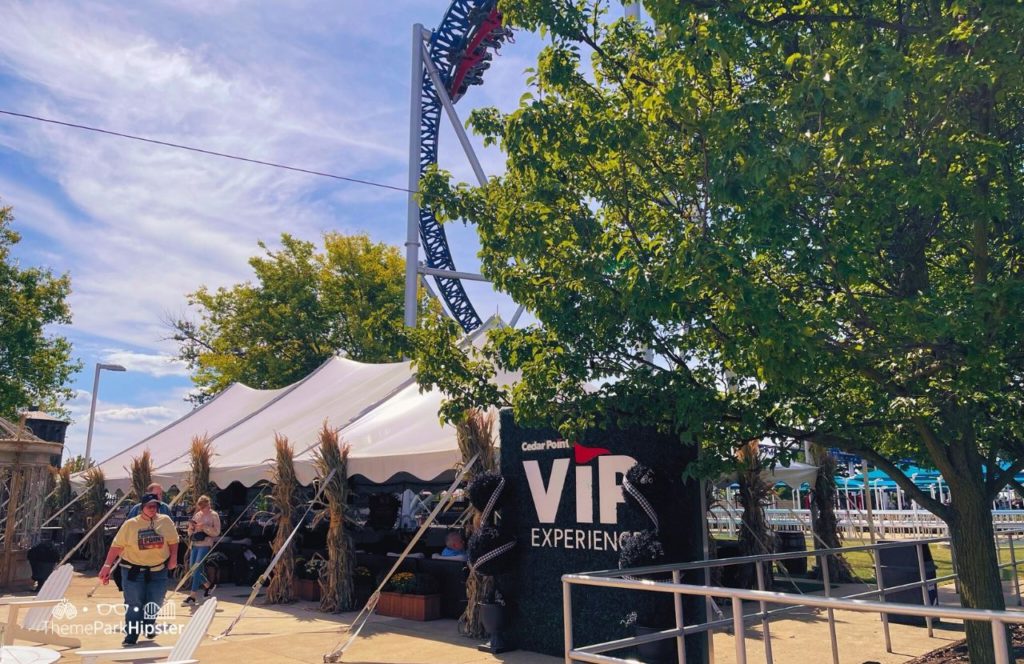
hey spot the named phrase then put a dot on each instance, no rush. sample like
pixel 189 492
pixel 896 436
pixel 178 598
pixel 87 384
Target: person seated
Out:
pixel 454 546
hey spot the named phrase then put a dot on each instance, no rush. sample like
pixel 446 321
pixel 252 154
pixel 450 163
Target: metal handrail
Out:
pixel 769 557
pixel 609 578
pixel 997 618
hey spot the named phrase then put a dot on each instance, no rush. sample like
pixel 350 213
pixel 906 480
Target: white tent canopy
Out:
pixel 793 475
pixel 404 434
pixel 338 393
pixel 392 427
pixel 228 408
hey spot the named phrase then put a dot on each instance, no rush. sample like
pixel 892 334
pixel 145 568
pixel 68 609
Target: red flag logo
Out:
pixel 585 454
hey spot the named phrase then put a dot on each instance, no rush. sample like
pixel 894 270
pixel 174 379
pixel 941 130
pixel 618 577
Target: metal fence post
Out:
pixel 678 601
pixel 956 570
pixel 999 641
pixel 567 619
pixel 831 614
pixel 766 635
pixel 1013 566
pixel 880 583
pixel 925 600
pixel 737 628
pixel 708 604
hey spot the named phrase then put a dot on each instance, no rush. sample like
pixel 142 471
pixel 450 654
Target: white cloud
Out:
pixel 157 365
pixel 320 85
pixel 156 223
pixel 120 425
pixel 148 415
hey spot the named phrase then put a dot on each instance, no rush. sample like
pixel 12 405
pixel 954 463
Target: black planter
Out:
pixel 658 652
pixel 42 557
pixel 363 588
pixel 493 618
pixel 41 570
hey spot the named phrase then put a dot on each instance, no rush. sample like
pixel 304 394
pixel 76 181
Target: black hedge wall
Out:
pixel 567 512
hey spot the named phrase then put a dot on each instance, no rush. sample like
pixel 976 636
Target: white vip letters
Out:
pixel 547 498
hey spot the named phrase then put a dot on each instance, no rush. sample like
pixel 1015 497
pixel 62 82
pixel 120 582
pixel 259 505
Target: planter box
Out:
pixel 410 607
pixel 308 589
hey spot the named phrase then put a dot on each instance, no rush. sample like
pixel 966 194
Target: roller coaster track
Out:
pixel 461 48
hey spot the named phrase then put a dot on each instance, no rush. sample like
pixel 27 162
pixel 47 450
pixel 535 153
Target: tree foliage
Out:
pixel 303 307
pixel 35 367
pixel 822 200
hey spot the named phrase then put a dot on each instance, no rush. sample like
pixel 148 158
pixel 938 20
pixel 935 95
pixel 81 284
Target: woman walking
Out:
pixel 204 526
pixel 148 547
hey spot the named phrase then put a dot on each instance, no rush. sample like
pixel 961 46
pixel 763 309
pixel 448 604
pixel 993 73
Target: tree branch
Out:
pixel 1002 479
pixel 828 439
pixel 905 483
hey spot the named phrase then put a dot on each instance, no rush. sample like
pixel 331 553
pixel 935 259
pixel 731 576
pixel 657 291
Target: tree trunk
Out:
pixel 973 539
pixel 824 523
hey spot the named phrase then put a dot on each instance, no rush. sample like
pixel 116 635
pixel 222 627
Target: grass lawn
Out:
pixel 863 563
pixel 864 566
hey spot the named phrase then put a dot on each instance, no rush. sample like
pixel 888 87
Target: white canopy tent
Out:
pixel 793 475
pixel 392 427
pixel 402 435
pixel 338 393
pixel 227 409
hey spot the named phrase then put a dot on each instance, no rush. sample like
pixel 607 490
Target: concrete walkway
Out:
pixel 299 633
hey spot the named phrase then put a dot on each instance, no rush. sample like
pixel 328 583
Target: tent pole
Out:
pixel 98 525
pixel 256 587
pixel 371 604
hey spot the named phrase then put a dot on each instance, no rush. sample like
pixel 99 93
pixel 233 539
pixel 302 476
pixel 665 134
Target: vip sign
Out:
pixel 568 514
pixel 547 494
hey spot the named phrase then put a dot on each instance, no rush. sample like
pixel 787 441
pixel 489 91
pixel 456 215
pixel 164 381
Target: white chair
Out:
pixel 180 653
pixel 40 610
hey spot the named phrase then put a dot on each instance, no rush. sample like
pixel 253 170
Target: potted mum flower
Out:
pixel 410 596
pixel 307 582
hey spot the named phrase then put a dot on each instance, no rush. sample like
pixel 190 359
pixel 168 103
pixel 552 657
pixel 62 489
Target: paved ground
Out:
pixel 298 633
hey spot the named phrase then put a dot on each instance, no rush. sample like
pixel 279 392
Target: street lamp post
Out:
pixel 92 409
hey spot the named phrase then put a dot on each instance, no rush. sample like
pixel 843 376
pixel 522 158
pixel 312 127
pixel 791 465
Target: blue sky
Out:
pixel 320 85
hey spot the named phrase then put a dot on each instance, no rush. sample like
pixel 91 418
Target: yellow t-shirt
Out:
pixel 146 542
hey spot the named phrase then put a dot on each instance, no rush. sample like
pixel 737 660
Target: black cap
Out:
pixel 149 498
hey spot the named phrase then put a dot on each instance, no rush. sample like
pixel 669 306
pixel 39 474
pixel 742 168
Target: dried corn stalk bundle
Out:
pixel 95 507
pixel 336 588
pixel 475 435
pixel 286 488
pixel 201 455
pixel 142 474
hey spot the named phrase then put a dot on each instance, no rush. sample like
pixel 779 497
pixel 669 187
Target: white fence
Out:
pixel 854 523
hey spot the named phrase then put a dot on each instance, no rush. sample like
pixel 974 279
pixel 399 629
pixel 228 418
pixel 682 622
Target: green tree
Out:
pixel 35 367
pixel 303 307
pixel 822 200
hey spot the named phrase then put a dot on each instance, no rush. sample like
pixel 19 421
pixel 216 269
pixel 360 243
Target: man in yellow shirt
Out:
pixel 148 547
